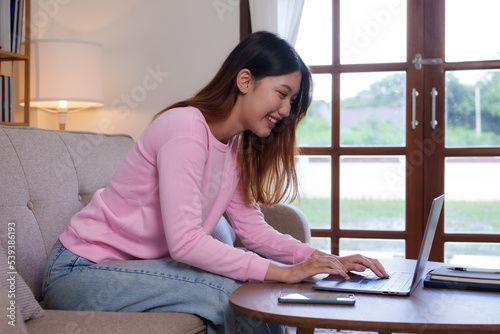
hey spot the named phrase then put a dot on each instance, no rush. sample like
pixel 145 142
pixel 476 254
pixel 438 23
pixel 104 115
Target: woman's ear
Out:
pixel 243 80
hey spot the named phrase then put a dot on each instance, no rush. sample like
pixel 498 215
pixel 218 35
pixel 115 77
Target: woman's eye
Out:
pixel 283 95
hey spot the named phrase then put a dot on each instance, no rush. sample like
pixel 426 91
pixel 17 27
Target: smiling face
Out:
pixel 267 101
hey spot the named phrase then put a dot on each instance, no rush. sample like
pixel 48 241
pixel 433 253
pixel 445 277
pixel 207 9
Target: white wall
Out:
pixel 183 41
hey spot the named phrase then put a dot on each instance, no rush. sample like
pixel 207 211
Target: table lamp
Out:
pixel 66 76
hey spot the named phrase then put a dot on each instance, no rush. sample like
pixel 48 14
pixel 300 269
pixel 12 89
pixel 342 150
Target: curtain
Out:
pixel 279 16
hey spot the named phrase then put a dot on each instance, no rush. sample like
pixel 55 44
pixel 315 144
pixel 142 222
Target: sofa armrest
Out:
pixel 286 219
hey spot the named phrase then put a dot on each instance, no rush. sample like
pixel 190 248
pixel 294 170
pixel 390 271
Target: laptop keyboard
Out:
pixel 397 282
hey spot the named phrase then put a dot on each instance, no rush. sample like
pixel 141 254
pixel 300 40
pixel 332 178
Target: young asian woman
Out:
pixel 144 244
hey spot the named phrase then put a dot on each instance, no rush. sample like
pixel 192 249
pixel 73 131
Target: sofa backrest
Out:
pixel 47 176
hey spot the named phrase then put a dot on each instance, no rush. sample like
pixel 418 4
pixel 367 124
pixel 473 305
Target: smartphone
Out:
pixel 310 297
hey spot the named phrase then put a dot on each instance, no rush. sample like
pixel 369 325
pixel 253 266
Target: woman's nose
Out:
pixel 284 111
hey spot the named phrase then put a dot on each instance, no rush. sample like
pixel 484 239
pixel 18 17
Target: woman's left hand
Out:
pixel 359 263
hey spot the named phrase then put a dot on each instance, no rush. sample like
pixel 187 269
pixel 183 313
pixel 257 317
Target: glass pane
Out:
pixel 472 195
pixel 323 244
pixel 375 248
pixel 473 254
pixel 315 179
pixel 372 193
pixel 372 109
pixel 473 108
pixel 314 39
pixel 372 31
pixel 467 24
pixel 316 128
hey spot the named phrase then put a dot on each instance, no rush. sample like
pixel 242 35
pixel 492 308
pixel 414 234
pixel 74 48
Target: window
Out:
pixel 400 116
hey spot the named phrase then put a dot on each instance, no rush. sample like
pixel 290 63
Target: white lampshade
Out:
pixel 66 70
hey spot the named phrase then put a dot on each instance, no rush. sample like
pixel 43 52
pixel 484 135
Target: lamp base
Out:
pixel 62 120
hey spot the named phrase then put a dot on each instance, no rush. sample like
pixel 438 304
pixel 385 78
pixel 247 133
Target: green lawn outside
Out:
pixel 355 214
pixel 461 217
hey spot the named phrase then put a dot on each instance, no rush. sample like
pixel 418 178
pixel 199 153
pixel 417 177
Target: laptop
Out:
pixel 399 283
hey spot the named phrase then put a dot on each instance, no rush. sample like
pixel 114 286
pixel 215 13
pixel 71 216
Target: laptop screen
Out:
pixel 430 231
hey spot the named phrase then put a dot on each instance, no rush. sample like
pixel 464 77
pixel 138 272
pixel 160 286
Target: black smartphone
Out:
pixel 309 297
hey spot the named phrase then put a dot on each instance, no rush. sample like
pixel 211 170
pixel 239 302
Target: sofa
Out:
pixel 46 176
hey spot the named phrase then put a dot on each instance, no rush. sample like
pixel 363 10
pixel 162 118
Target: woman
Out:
pixel 143 243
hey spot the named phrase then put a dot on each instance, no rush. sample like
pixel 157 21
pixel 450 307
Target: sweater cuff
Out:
pixel 258 269
pixel 303 252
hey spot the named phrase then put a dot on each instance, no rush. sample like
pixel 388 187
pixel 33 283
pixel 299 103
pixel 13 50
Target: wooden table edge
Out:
pixel 306 324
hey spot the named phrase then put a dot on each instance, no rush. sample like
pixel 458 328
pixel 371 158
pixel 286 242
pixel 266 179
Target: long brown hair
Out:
pixel 267 165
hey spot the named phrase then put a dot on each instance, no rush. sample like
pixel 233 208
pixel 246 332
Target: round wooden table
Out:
pixel 425 311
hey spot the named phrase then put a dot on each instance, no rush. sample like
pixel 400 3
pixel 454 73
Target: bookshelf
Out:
pixel 17 66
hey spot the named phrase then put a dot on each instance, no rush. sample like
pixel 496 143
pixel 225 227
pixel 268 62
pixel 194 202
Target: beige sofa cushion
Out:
pixel 5 325
pixel 56 321
pixel 46 177
pixel 20 297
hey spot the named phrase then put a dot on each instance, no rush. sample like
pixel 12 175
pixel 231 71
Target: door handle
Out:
pixel 414 122
pixel 434 93
pixel 418 61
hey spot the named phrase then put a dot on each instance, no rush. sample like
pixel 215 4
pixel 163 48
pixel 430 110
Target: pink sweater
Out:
pixel 166 198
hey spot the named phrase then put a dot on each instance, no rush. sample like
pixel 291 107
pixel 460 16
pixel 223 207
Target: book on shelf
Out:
pixel 7 98
pixel 18 26
pixel 11 25
pixel 2 106
pixel 5 32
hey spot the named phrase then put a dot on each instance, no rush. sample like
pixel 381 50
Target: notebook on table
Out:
pixel 450 277
pixel 399 283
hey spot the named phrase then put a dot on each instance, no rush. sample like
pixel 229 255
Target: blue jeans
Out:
pixel 75 283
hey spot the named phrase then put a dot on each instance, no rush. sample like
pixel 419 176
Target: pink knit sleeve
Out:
pixel 258 236
pixel 180 166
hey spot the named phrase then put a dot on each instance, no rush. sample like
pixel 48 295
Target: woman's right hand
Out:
pixel 323 263
pixel 316 264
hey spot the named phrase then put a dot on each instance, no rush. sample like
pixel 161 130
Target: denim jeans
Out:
pixel 75 283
